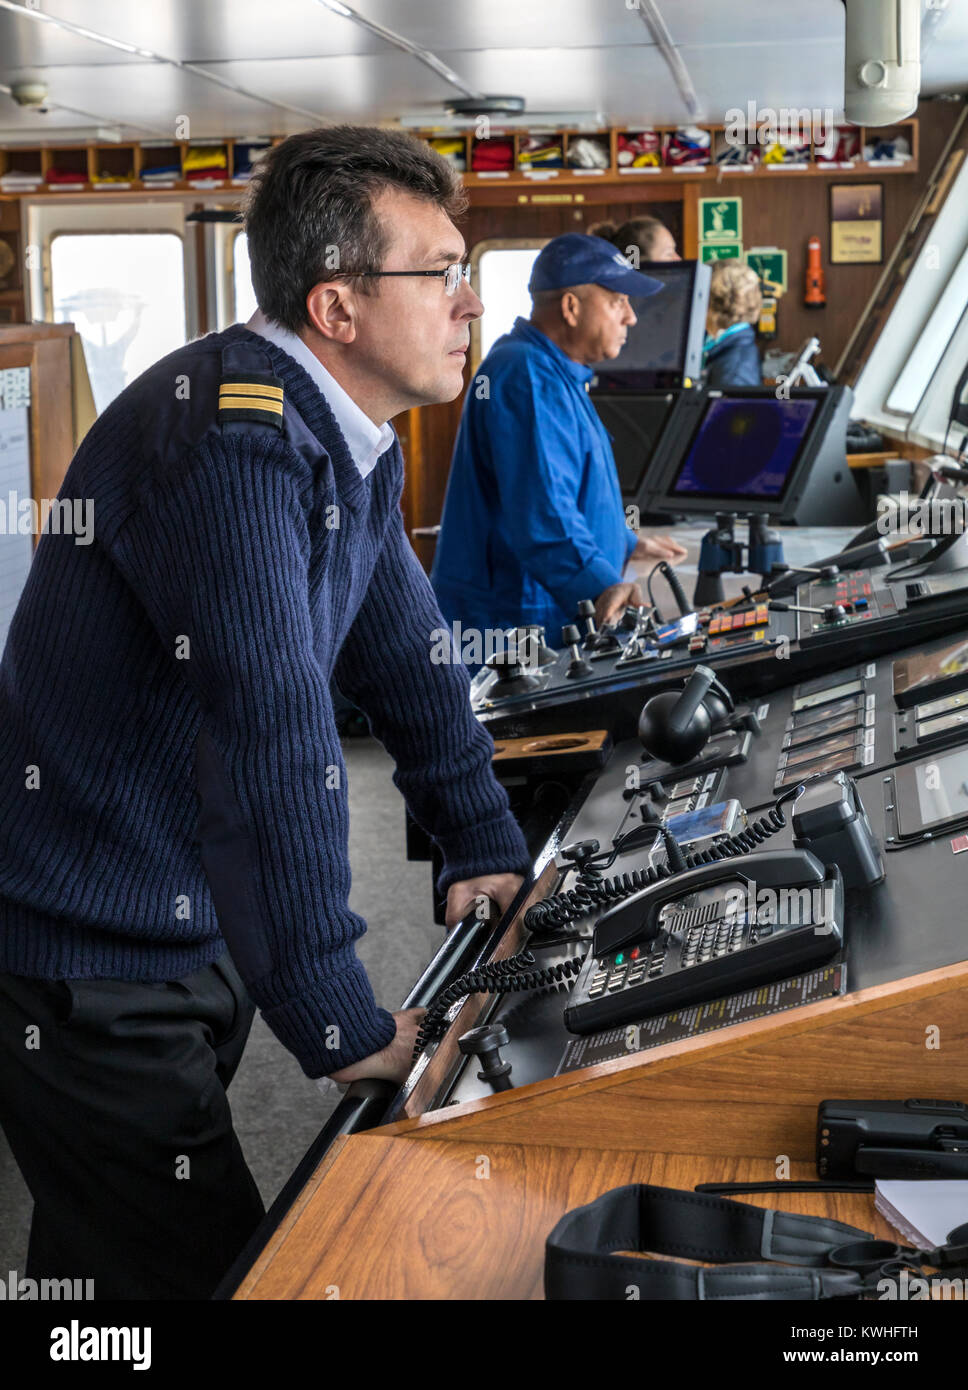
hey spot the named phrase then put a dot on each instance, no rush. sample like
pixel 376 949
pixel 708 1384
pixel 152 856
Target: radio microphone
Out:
pixel 678 593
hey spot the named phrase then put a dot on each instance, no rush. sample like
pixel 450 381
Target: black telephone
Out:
pixel 709 931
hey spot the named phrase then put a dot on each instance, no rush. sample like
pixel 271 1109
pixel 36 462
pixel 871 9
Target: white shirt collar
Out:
pixel 365 440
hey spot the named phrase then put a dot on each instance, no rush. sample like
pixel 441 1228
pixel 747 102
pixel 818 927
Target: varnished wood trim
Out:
pixel 280 1234
pixel 590 740
pixel 724 1043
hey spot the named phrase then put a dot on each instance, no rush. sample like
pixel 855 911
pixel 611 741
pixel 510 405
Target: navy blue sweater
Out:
pixel 170 772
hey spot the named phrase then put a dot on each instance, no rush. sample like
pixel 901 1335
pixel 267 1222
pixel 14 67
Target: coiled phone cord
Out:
pixel 592 890
pixel 499 977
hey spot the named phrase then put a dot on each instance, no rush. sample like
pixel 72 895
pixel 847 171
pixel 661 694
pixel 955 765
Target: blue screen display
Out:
pixel 745 448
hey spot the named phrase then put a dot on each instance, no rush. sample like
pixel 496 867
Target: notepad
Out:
pixel 923 1212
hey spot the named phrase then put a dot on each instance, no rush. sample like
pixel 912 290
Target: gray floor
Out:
pixel 277 1111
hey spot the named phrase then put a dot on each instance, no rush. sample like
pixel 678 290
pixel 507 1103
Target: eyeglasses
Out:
pixel 452 276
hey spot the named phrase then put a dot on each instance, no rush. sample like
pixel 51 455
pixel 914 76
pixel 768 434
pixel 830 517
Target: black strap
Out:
pixel 698 1226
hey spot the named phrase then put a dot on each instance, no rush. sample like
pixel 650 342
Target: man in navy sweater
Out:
pixel 171 779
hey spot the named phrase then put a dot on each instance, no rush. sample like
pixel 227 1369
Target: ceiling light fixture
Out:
pixel 648 12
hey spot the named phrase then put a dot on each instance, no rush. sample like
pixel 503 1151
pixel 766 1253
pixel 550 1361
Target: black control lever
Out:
pixel 951 472
pixel 605 639
pixel 586 610
pixel 578 666
pixel 579 853
pixel 675 726
pixel 868 555
pixel 513 677
pixel 485 1043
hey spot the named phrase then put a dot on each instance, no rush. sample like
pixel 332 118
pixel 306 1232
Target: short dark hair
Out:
pixel 309 209
pixel 637 231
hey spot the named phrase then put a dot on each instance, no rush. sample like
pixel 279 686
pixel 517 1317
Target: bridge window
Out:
pixel 921 366
pixel 125 294
pixel 245 305
pixel 501 270
pixel 907 383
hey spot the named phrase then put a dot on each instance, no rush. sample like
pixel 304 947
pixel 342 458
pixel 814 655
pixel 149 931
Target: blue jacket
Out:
pixel 732 358
pixel 533 519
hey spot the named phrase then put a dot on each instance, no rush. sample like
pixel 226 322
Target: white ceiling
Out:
pixel 245 67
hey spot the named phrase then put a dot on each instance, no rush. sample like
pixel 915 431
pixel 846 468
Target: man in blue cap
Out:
pixel 533 520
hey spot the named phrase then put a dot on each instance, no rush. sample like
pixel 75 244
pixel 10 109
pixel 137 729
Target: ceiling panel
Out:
pixel 634 82
pixel 189 30
pixel 20 126
pixel 153 96
pixel 944 52
pixel 377 87
pixel 572 78
pixel 947 71
pixel 697 23
pixel 27 43
pixel 773 75
pixel 438 24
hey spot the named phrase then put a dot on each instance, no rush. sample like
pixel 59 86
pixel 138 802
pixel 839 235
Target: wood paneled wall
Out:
pixel 45 348
pixel 778 210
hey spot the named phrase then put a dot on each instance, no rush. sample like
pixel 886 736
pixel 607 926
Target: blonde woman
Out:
pixel 730 357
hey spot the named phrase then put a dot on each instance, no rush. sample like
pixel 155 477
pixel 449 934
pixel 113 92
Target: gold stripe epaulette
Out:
pixel 258 399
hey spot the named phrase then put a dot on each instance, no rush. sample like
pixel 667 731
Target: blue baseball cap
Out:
pixel 579 259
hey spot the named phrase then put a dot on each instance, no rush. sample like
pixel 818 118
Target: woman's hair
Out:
pixel 734 295
pixel 309 211
pixel 638 233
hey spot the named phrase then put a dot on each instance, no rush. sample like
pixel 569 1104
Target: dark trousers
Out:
pixel 112 1098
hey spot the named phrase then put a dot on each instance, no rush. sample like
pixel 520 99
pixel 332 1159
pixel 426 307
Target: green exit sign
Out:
pixel 720 251
pixel 720 219
pixel 770 264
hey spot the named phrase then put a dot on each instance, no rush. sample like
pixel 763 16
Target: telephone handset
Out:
pixel 710 931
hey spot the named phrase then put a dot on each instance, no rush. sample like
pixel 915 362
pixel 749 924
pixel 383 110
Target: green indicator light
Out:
pixel 619 958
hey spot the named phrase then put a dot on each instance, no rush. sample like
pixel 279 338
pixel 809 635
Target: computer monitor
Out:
pixel 635 424
pixel 748 450
pixel 664 346
pixel 745 449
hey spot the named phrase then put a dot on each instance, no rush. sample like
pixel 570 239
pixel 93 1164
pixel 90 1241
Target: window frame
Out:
pixel 904 330
pixel 478 251
pixel 63 234
pixel 45 221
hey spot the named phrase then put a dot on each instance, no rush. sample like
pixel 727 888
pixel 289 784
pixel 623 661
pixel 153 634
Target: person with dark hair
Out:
pixel 533 521
pixel 639 239
pixel 172 781
pixel 730 356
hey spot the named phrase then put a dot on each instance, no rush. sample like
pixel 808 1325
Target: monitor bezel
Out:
pixel 662 499
pixel 612 379
pixel 622 400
